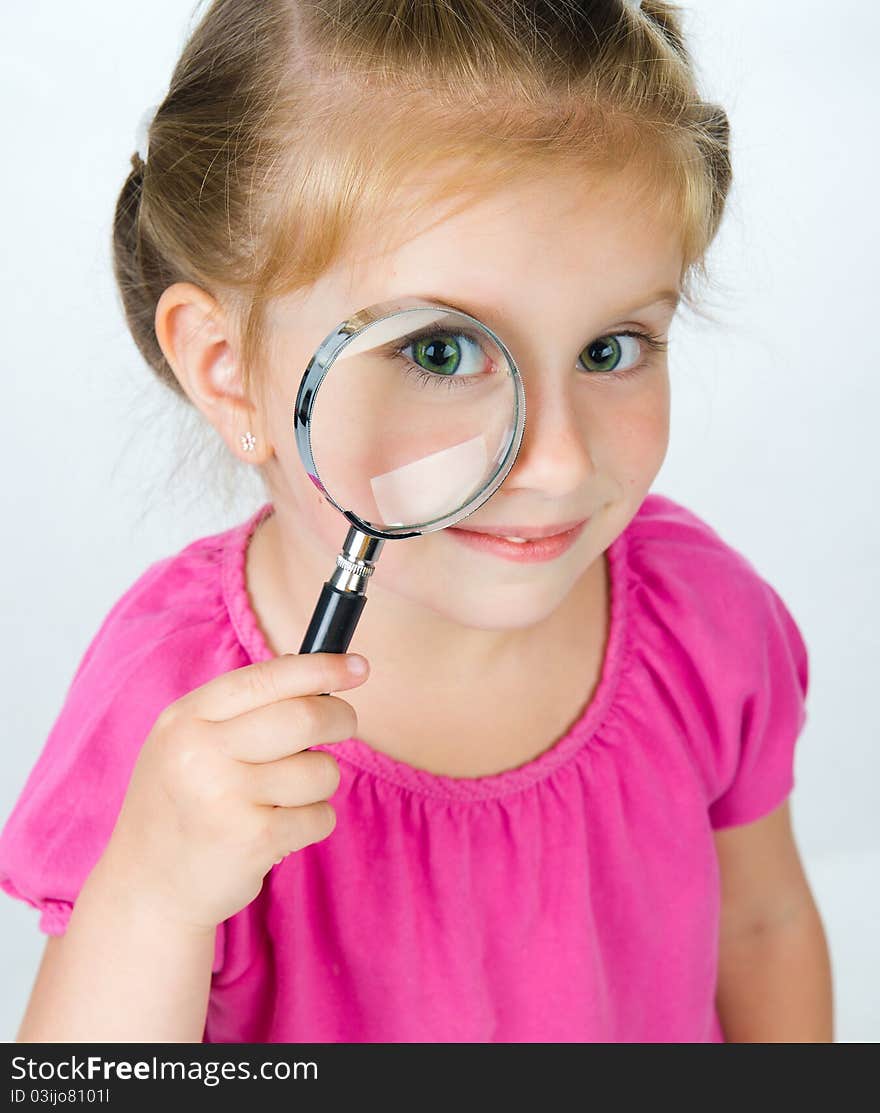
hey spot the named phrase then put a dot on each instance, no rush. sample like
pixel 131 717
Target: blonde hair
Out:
pixel 289 126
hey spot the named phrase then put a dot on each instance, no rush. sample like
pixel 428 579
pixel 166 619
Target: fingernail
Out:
pixel 357 665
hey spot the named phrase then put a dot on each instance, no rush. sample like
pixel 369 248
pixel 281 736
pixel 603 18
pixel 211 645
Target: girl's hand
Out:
pixel 224 786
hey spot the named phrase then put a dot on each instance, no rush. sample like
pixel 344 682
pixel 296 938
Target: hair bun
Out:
pixel 142 132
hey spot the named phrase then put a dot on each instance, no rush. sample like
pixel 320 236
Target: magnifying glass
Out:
pixel 408 418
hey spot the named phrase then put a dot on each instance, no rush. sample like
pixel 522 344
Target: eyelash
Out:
pixel 427 378
pixel 650 340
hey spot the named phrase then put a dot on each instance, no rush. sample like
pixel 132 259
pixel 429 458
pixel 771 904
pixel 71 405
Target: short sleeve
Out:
pixel 65 812
pixel 773 714
pixel 167 635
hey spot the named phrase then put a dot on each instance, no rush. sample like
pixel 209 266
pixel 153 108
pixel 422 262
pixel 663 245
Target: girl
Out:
pixel 559 783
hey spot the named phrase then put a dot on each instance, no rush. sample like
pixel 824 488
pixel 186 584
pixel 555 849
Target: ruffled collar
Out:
pixel 360 754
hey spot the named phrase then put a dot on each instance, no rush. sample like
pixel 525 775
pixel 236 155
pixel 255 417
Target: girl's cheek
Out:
pixel 631 441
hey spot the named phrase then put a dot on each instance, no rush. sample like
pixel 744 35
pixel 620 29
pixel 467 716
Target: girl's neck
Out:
pixel 530 683
pixel 284 587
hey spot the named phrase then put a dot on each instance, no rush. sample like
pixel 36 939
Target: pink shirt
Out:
pixel 574 898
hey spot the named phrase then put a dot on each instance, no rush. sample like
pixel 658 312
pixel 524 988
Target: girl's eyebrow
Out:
pixel 668 298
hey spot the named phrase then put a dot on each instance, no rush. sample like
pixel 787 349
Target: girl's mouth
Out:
pixel 524 551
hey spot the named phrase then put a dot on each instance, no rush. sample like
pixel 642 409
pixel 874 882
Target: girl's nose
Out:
pixel 554 458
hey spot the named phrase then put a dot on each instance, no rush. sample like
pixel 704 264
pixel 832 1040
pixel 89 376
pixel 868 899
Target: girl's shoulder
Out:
pixel 700 580
pixel 670 531
pixel 177 605
pixel 726 649
pixel 168 633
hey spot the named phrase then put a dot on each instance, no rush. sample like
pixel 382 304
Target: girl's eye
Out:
pixel 456 359
pixel 443 357
pixel 619 355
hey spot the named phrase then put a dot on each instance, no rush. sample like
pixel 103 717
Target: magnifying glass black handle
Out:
pixel 333 621
pixel 343 596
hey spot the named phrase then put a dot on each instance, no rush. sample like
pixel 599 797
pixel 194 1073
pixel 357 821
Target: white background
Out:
pixel 774 425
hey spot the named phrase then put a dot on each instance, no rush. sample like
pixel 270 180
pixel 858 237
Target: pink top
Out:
pixel 572 899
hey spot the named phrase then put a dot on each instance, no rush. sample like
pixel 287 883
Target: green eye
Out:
pixel 604 354
pixel 438 354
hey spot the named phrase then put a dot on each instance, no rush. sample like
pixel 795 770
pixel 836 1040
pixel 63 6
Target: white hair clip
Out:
pixel 634 4
pixel 142 133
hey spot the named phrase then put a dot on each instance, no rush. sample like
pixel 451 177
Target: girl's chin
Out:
pixel 484 606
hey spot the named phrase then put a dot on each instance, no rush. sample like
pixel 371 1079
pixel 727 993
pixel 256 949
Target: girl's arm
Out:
pixel 121 973
pixel 774 970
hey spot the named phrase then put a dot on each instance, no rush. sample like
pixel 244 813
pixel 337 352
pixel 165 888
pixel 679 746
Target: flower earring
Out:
pixel 248 442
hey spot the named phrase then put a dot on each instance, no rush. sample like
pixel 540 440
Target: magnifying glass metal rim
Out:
pixel 324 358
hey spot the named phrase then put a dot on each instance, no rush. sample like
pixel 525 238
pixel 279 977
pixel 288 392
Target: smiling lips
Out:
pixel 526 533
pixel 524 544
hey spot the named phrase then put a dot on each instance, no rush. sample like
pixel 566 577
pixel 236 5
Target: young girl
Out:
pixel 550 802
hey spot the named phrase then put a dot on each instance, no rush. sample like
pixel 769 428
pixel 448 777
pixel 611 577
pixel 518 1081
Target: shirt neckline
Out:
pixel 361 754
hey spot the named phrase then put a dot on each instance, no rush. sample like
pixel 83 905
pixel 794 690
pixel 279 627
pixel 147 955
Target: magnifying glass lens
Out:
pixel 414 419
pixel 409 417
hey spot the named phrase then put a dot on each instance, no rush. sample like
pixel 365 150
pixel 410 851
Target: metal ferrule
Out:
pixel 356 563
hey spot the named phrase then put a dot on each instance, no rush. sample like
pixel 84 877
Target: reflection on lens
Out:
pixel 413 418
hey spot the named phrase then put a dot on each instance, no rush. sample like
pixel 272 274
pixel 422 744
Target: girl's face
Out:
pixel 559 271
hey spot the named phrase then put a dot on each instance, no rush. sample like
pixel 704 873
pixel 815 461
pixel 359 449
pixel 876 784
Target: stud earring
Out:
pixel 248 442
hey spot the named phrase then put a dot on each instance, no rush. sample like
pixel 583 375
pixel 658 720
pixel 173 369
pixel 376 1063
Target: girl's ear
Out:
pixel 196 339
